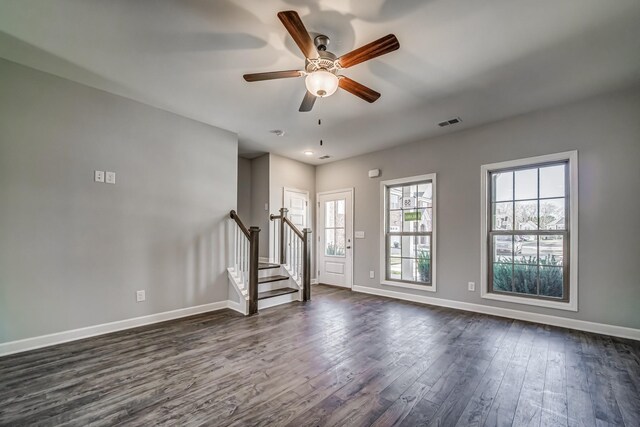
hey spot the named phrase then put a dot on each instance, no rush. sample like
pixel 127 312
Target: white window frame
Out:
pixel 383 221
pixel 571 157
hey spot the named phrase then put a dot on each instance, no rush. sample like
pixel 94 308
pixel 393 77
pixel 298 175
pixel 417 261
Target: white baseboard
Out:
pixel 19 346
pixel 314 281
pixel 581 325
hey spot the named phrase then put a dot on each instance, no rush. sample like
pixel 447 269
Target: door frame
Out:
pixel 353 232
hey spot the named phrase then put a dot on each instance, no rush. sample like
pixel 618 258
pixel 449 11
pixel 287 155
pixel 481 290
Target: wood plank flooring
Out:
pixel 344 359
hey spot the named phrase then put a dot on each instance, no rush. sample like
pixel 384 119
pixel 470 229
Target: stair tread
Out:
pixel 266 266
pixel 276 278
pixel 276 292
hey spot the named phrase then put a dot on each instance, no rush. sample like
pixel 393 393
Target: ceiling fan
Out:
pixel 322 67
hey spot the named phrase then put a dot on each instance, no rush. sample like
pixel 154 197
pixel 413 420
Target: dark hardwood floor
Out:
pixel 342 359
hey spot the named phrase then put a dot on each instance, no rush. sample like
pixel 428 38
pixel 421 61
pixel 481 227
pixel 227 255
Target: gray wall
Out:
pixel 244 189
pixel 260 197
pixel 73 252
pixel 605 131
pixel 290 173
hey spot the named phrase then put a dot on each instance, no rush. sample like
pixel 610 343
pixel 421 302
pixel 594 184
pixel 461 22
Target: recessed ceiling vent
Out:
pixel 325 157
pixel 452 121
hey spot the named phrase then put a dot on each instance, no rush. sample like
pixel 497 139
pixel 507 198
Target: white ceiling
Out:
pixel 481 60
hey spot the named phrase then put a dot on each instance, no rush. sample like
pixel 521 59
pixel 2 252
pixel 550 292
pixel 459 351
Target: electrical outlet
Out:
pixel 140 296
pixel 372 274
pixel 110 177
pixel 98 176
pixel 472 286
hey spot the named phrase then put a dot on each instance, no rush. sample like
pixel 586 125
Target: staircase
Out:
pixel 262 285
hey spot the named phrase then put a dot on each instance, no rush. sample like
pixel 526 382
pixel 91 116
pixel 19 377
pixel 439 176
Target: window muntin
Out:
pixel 528 223
pixel 409 232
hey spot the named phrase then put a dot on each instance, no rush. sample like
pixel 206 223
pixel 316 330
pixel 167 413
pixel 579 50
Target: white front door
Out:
pixel 335 238
pixel 297 202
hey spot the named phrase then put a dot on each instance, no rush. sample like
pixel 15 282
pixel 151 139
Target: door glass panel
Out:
pixel 340 213
pixel 329 214
pixel 330 242
pixel 340 242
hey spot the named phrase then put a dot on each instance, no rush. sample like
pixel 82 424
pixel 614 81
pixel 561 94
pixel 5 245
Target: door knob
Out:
pixel 348 247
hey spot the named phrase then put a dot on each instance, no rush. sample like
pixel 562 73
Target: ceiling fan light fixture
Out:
pixel 321 83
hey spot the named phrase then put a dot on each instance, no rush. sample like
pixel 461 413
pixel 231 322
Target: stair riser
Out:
pixel 263 287
pixel 272 272
pixel 280 299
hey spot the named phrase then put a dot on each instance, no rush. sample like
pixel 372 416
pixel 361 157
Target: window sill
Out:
pixel 429 288
pixel 571 305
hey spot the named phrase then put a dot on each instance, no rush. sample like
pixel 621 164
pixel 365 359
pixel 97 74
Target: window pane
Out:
pixel 340 213
pixel 425 195
pixel 410 218
pixel 425 223
pixel 329 214
pixel 551 281
pixel 527 215
pixel 424 267
pixel 526 182
pixel 409 269
pixel 395 221
pixel 502 277
pixel 503 249
pixel 552 214
pixel 408 247
pixel 395 268
pixel 409 196
pixel 340 242
pixel 329 242
pixel 526 249
pixel 502 217
pixel 525 279
pixel 395 248
pixel 551 248
pixel 395 197
pixel 502 186
pixel 552 181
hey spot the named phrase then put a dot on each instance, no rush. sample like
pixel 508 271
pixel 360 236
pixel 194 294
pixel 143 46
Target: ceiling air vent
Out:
pixel 452 121
pixel 324 157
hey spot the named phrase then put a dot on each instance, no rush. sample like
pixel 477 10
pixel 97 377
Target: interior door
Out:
pixel 335 238
pixel 297 202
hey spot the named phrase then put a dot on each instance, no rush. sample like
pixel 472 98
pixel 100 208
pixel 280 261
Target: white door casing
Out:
pixel 335 238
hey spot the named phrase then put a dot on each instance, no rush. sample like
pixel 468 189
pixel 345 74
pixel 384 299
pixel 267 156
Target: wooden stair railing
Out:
pixel 295 251
pixel 246 258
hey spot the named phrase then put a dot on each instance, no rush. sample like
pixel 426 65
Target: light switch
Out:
pixel 98 176
pixel 359 234
pixel 110 177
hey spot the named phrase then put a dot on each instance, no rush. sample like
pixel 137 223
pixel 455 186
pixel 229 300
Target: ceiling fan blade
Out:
pixel 292 22
pixel 386 44
pixel 307 102
pixel 256 77
pixel 357 89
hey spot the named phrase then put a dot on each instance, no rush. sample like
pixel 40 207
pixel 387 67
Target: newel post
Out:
pixel 283 252
pixel 254 234
pixel 306 266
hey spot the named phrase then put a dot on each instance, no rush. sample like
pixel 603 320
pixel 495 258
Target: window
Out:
pixel 528 220
pixel 408 232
